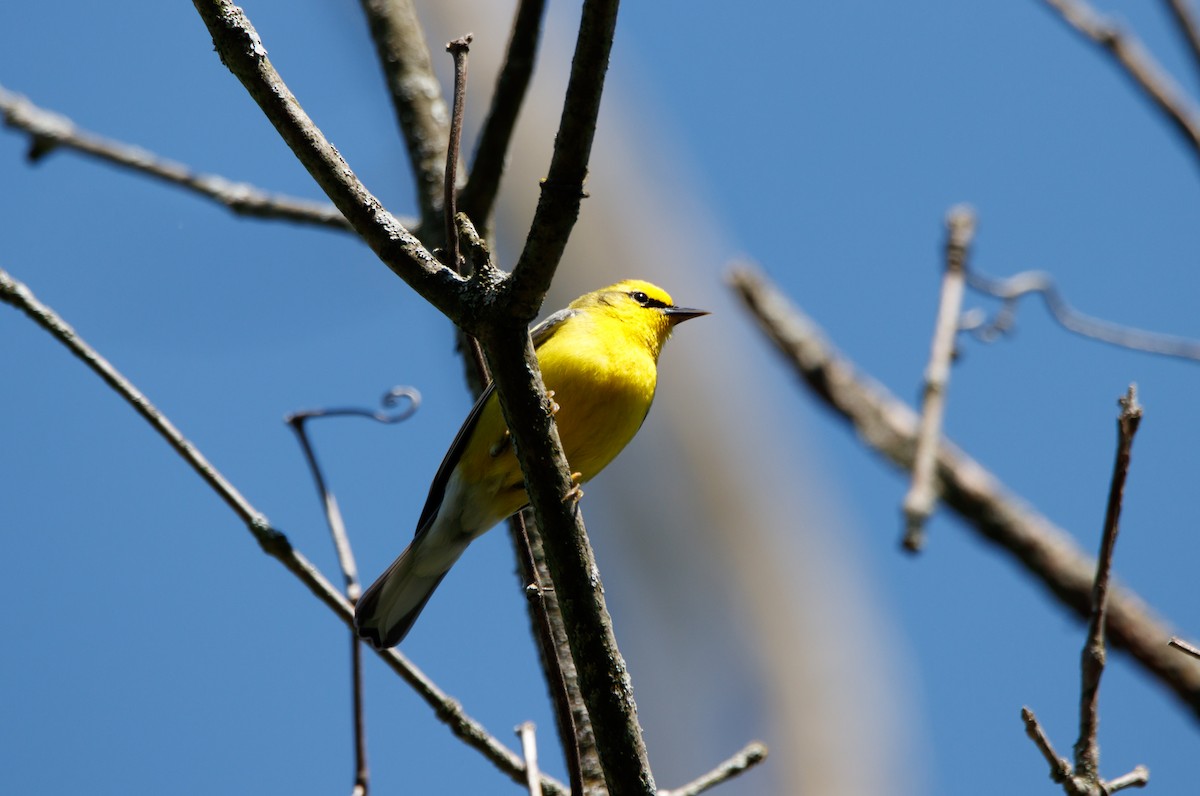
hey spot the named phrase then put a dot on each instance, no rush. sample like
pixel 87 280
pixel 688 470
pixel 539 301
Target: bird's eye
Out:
pixel 646 301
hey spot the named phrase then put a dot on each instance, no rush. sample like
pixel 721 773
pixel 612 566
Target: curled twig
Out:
pixel 1011 290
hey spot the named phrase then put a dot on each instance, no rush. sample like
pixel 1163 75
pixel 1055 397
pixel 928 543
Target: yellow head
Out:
pixel 643 309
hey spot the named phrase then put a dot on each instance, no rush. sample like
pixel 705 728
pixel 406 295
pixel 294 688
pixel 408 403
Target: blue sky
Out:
pixel 148 640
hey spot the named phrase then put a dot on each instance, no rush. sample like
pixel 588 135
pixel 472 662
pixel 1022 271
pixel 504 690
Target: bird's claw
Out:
pixel 575 493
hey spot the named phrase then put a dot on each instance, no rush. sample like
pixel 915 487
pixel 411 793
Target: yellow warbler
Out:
pixel 599 356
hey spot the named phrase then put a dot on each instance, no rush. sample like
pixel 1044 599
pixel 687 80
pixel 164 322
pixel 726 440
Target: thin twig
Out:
pixel 888 426
pixel 1060 767
pixel 273 541
pixel 1188 27
pixel 1011 290
pixel 242 51
pixel 1136 63
pixel 919 502
pixel 416 99
pixel 552 645
pixel 458 49
pixel 525 731
pixel 1183 646
pixel 1138 778
pixel 751 755
pixel 478 196
pixel 49 131
pixel 362 769
pixel 1087 750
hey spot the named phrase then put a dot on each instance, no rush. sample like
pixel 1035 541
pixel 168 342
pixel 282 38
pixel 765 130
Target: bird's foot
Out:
pixel 575 493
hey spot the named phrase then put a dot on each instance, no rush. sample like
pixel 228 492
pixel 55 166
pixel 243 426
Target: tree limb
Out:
pixel 478 196
pixel 48 131
pixel 1137 64
pixel 562 190
pixel 417 100
pixel 889 427
pixel 242 51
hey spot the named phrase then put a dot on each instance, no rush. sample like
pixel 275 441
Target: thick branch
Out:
pixel 417 100
pixel 562 190
pixel 603 677
pixel 889 427
pixel 243 53
pixel 49 130
pixel 478 196
pixel 562 679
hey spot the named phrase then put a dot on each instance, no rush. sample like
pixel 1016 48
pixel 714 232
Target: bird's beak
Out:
pixel 677 315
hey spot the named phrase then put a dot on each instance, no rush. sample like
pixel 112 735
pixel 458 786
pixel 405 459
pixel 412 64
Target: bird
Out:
pixel 599 363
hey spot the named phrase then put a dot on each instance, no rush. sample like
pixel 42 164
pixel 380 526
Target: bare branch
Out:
pixel 478 196
pixel 341 543
pixel 417 100
pixel 243 53
pixel 1087 750
pixel 1136 63
pixel 562 190
pixel 1060 767
pixel 919 502
pixel 754 753
pixel 1188 27
pixel 574 726
pixel 525 731
pixel 603 677
pixel 458 50
pixel 1011 290
pixel 273 542
pixel 1138 778
pixel 889 427
pixel 49 131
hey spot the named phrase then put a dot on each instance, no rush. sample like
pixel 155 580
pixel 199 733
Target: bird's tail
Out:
pixel 387 610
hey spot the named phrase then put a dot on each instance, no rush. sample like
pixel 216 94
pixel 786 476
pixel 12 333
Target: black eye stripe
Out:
pixel 646 301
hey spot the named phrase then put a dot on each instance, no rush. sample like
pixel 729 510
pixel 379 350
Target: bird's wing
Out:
pixel 546 329
pixel 437 490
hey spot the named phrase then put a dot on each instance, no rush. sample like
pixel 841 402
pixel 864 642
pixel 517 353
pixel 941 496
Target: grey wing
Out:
pixel 437 490
pixel 546 329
